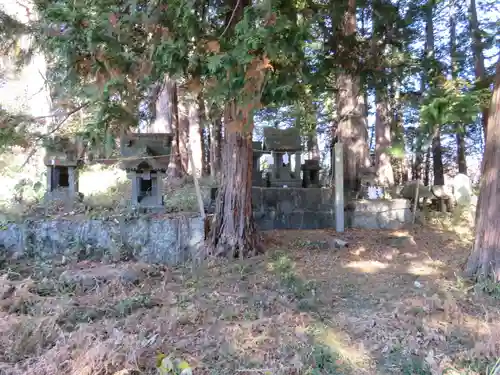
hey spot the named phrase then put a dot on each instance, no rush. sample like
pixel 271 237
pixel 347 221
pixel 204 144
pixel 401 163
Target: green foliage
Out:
pixel 111 54
pixel 165 366
pixel 453 102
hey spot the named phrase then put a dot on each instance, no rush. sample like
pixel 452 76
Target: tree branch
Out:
pixel 53 130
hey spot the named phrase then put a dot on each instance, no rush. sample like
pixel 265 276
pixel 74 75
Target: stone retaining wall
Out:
pixel 159 240
pixel 173 240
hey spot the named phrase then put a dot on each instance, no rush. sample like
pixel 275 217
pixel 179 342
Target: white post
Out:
pixel 339 187
pixel 196 184
pixel 298 163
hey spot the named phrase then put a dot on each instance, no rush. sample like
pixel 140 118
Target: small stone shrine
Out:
pixel 280 142
pixel 146 158
pixel 310 173
pixel 63 156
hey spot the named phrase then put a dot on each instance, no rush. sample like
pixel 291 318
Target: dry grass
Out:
pixel 106 190
pixel 369 309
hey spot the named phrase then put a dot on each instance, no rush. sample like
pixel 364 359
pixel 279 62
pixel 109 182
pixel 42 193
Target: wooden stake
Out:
pixel 196 183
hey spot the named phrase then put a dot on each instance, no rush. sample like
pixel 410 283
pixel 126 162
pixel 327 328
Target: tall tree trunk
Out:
pixel 459 127
pixel 385 174
pixel 215 143
pixel 437 155
pixel 437 159
pixel 418 166
pixel 397 134
pixel 183 110
pixel 484 260
pixel 205 136
pixel 351 129
pixel 233 231
pixel 167 121
pixel 477 51
pixel 427 171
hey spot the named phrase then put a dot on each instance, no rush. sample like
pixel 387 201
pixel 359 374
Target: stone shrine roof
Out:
pixel 63 151
pixel 150 150
pixel 284 140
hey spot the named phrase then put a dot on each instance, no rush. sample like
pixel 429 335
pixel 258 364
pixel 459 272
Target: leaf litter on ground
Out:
pixel 304 305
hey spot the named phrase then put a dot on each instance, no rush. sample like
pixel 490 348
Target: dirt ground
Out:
pixel 389 303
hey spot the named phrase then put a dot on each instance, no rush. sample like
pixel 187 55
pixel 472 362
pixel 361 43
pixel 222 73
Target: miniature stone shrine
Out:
pixel 62 158
pixel 281 143
pixel 310 173
pixel 146 159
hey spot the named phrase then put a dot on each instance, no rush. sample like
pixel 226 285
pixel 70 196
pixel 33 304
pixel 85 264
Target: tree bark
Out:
pixel 397 135
pixel 351 129
pixel 484 260
pixel 437 159
pixel 461 159
pixel 205 137
pixel 459 127
pixel 233 231
pixel 385 174
pixel 477 51
pixel 167 121
pixel 427 171
pixel 437 155
pixel 183 110
pixel 215 143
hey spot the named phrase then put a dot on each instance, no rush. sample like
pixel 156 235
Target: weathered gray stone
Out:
pixel 90 277
pixel 160 240
pixel 379 214
pixel 409 190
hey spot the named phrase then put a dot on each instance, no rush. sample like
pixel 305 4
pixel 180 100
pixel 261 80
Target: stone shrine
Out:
pixel 280 142
pixel 63 156
pixel 310 173
pixel 146 160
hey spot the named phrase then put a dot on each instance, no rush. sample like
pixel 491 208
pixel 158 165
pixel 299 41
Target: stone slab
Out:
pixel 378 214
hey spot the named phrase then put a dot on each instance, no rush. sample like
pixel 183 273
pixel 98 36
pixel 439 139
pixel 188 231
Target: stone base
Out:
pixel 314 208
pixel 378 214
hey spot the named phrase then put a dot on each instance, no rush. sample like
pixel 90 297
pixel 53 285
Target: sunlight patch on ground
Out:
pixel 339 344
pixel 421 269
pixel 367 266
pixel 358 251
pixel 400 233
